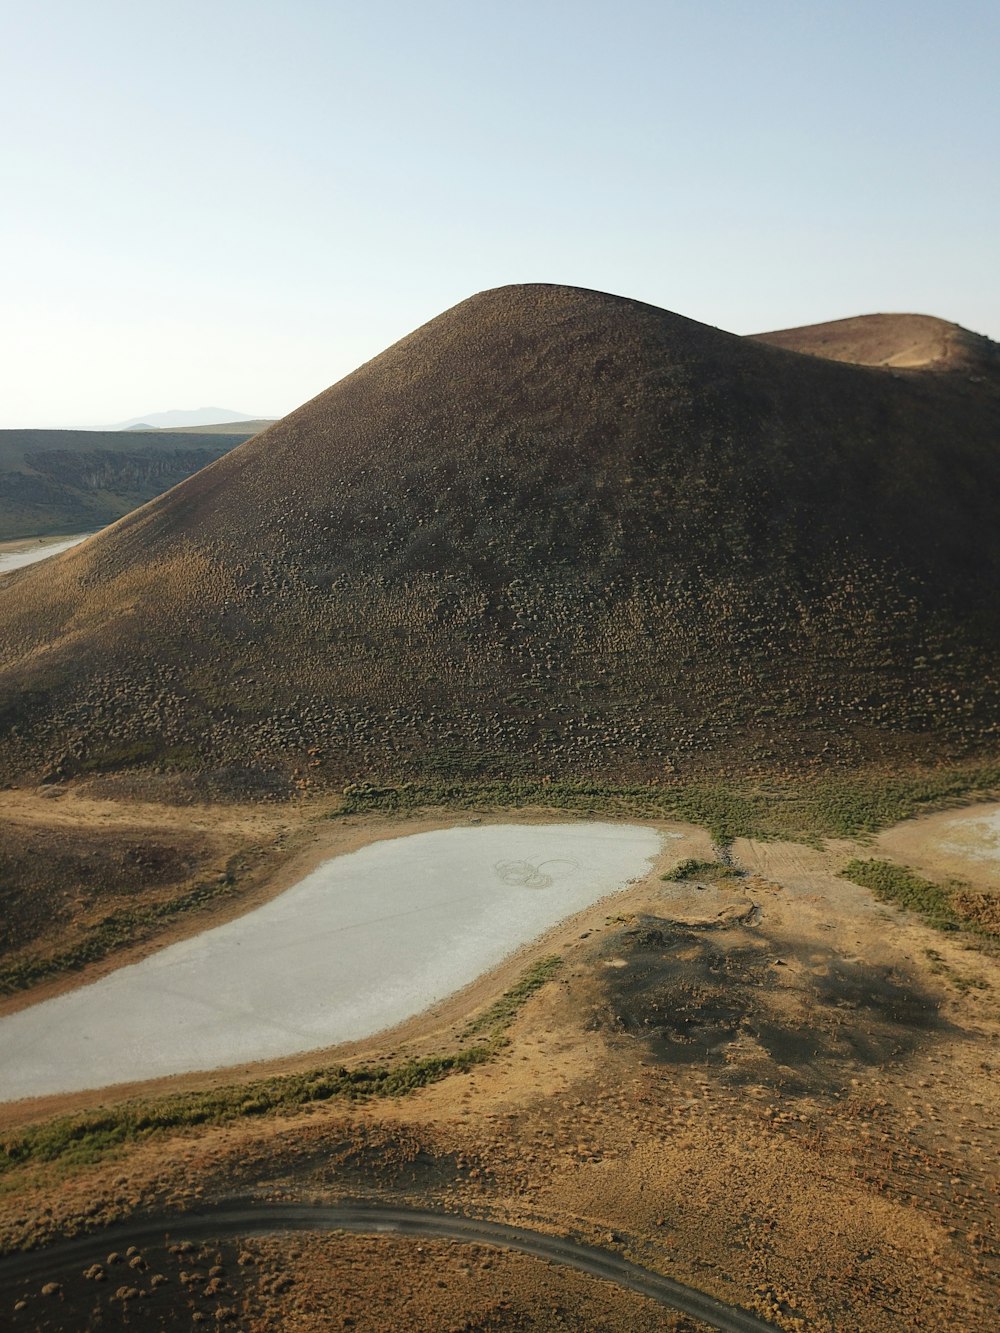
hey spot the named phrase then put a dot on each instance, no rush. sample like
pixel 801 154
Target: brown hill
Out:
pixel 905 342
pixel 552 531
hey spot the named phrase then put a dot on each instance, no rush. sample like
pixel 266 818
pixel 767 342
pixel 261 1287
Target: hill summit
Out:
pixel 550 532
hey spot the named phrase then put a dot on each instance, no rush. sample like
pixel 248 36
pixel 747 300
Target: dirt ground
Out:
pixel 15 545
pixel 766 1084
pixel 315 1282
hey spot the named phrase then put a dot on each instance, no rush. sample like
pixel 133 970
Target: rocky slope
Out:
pixel 552 531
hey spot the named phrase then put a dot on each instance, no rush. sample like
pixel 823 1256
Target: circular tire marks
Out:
pixel 243 1218
pixel 527 875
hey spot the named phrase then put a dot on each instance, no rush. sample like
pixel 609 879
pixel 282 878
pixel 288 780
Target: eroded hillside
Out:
pixel 902 342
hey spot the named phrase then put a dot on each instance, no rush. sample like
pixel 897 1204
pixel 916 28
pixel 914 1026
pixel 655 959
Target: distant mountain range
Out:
pixel 551 532
pixel 195 416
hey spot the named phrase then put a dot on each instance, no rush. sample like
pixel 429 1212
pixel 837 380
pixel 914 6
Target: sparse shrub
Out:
pixel 695 869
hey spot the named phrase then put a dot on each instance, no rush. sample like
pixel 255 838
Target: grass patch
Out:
pixel 87 1137
pixel 692 868
pixel 943 906
pixel 802 809
pixel 892 883
pixel 84 1138
pixel 500 1015
pixel 962 982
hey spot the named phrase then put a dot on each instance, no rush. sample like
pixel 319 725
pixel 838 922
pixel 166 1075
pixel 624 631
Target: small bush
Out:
pixel 695 869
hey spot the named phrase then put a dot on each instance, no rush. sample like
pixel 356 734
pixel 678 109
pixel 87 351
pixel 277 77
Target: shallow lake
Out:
pixel 365 941
pixel 39 550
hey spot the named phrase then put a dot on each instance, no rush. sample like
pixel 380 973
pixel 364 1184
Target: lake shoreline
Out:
pixel 19 552
pixel 333 980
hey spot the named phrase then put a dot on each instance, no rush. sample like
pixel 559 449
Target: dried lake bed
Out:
pixel 365 941
pixel 964 844
pixel 17 554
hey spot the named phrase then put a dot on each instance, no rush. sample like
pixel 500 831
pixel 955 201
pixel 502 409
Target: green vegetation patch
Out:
pixel 804 809
pixel 499 1015
pixel 692 868
pixel 84 1138
pixel 897 884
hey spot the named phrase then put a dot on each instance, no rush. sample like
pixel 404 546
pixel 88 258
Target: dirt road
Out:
pixel 244 1218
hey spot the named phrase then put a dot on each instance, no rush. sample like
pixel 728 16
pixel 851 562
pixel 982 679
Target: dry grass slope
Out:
pixel 551 532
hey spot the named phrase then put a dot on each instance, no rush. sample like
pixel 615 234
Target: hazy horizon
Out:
pixel 167 418
pixel 248 215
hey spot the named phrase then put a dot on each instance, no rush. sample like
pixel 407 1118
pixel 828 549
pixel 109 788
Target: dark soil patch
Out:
pixel 709 996
pixel 370 1160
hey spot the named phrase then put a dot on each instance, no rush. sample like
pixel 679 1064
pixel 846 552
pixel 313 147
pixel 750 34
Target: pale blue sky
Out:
pixel 237 201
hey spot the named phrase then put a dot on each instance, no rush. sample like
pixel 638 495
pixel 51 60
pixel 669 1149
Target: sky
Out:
pixel 236 202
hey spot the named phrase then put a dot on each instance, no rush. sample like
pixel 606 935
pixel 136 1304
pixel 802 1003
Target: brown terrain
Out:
pixel 570 553
pixel 551 532
pixel 754 1077
pixel 907 342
